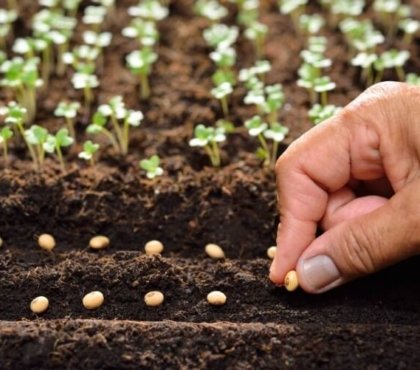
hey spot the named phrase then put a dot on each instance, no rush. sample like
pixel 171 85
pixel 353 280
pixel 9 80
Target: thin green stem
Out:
pixel 225 106
pixel 70 126
pixel 60 158
pixel 216 153
pixel 118 132
pixel 5 153
pixel 125 143
pixel 111 138
pixel 400 73
pixel 274 152
pixel 264 145
pixel 324 98
pixel 144 86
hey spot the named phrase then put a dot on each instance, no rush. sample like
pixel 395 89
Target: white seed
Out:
pixel 291 281
pixel 154 298
pixel 216 298
pixel 46 241
pixel 99 242
pixel 1 242
pixel 39 304
pixel 271 252
pixel 153 247
pixel 214 251
pixel 93 300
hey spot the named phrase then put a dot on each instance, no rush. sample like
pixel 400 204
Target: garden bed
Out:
pixel 370 323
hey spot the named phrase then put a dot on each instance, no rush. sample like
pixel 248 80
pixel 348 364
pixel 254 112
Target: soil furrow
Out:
pixel 124 278
pixel 94 344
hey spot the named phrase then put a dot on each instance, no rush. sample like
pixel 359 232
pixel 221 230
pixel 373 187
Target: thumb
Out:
pixel 363 245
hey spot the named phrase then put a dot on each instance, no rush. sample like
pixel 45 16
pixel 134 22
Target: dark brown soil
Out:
pixel 372 323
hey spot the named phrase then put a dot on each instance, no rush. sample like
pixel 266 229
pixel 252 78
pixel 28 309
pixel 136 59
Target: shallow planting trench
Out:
pixel 370 323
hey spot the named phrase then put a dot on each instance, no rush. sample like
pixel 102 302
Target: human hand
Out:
pixel 372 146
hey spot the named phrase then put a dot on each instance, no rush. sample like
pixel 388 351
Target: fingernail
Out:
pixel 319 272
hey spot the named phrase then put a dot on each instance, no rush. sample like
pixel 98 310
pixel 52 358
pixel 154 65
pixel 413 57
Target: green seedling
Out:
pixel 294 8
pixel 209 138
pixel 7 17
pixel 257 32
pixel 256 128
pixel 210 9
pixel 322 85
pixel 36 136
pixel 98 41
pixel 410 27
pixel 221 36
pixel 121 120
pixel 5 135
pixel 94 16
pixel 317 60
pixel 21 77
pixel 85 82
pixel 317 44
pixel 274 101
pixel 68 110
pixel 311 24
pixel 392 59
pixel 224 58
pixel 366 62
pixel 82 58
pixel 319 113
pixel 276 133
pixel 140 63
pixel 390 12
pixel 145 32
pixel 252 77
pixel 56 143
pixel 150 10
pixel 71 6
pixel 361 35
pixel 88 152
pixel 248 11
pixel 413 79
pixel 151 166
pixel 221 92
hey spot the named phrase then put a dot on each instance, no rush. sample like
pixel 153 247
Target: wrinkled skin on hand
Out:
pixel 356 175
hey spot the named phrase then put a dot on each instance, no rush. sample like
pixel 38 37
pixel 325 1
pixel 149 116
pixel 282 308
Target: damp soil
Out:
pixel 371 323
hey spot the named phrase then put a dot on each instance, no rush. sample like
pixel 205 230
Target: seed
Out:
pixel 46 241
pixel 291 281
pixel 214 251
pixel 93 300
pixel 154 298
pixel 39 304
pixel 1 242
pixel 153 247
pixel 216 298
pixel 271 252
pixel 99 242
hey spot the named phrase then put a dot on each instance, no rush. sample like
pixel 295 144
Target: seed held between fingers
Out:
pixel 214 251
pixel 93 300
pixel 216 298
pixel 154 298
pixel 291 281
pixel 153 247
pixel 39 304
pixel 46 242
pixel 271 252
pixel 99 242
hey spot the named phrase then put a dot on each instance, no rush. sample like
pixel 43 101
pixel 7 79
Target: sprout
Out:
pixel 220 36
pixel 5 134
pixel 149 9
pixel 95 16
pixel 317 44
pixel 69 112
pixel 121 120
pixel 343 8
pixel 248 11
pixel 361 35
pixel 208 138
pixel 410 27
pixel 35 137
pixel 224 57
pixel 392 59
pixel 82 58
pixel 97 40
pixel 250 76
pixel 89 150
pixel 7 17
pixel 21 77
pixel 55 143
pixel 276 132
pixel 221 93
pixel 145 32
pixel 273 102
pixel 317 60
pixel 413 79
pixel 257 32
pixel 294 8
pixel 140 63
pixel 151 166
pixel 311 24
pixel 87 82
pixel 322 85
pixel 366 61
pixel 211 9
pixel 72 6
pixel 319 113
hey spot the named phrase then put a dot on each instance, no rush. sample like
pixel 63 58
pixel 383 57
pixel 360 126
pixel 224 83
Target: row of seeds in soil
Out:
pixel 27 65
